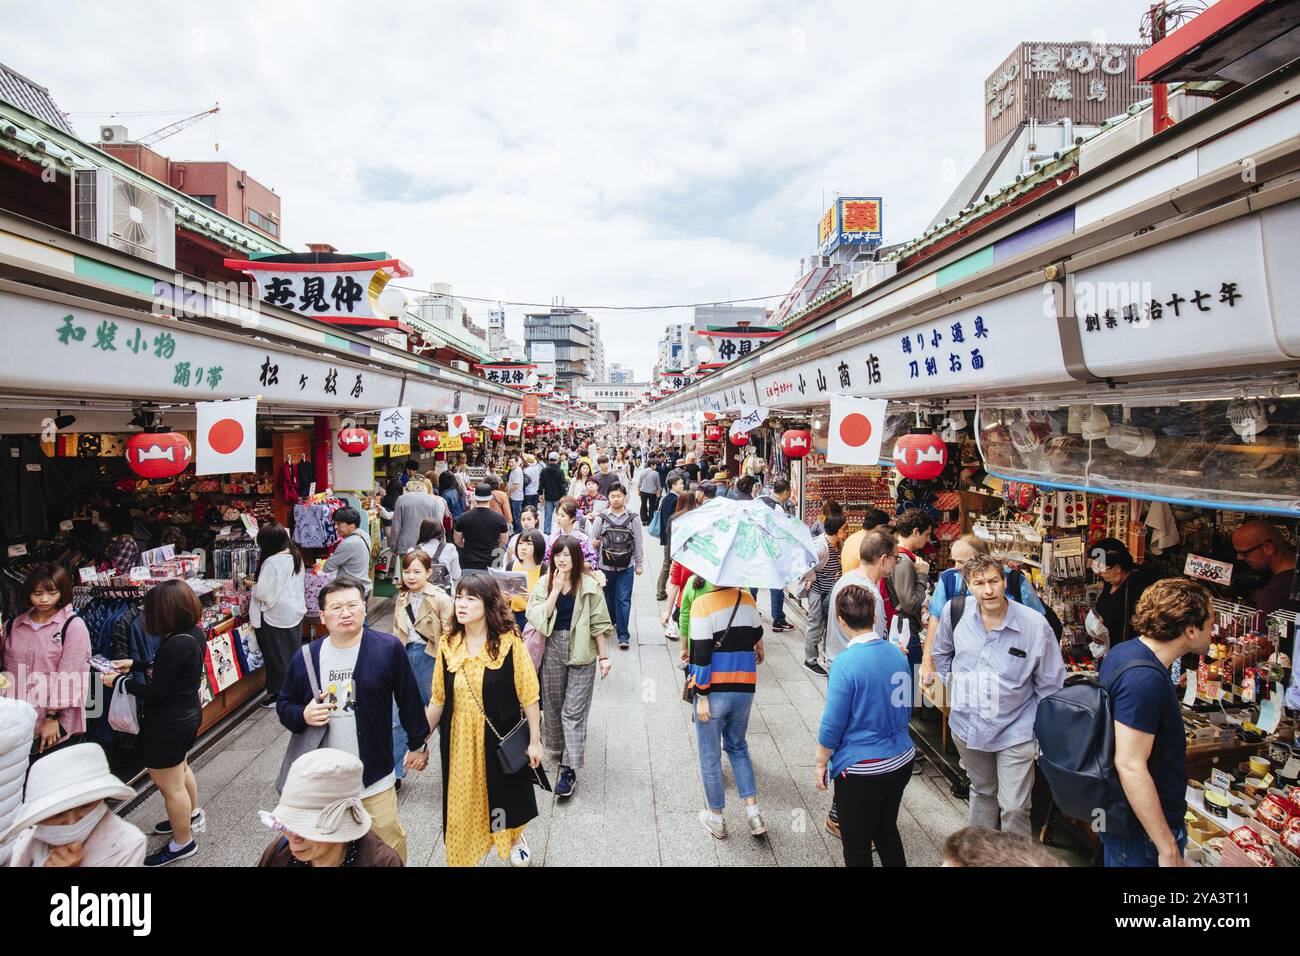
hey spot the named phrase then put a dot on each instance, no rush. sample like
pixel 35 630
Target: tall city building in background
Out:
pixel 499 344
pixel 677 348
pixel 575 337
pixel 620 374
pixel 599 372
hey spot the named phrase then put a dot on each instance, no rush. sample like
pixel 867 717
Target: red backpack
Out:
pixel 887 594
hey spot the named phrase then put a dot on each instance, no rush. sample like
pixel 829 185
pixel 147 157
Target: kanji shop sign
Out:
pixel 1199 301
pixel 676 379
pixel 737 341
pixel 86 352
pixel 1006 342
pixel 511 374
pixel 342 293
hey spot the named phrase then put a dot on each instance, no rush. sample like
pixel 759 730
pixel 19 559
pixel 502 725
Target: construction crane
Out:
pixel 157 136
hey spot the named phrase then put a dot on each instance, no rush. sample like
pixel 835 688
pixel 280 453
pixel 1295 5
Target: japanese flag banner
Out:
pixel 678 427
pixel 711 416
pixel 226 437
pixel 514 427
pixel 457 424
pixel 751 416
pixel 492 422
pixel 857 428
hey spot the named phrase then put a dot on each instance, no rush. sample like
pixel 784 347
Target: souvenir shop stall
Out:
pixel 1173 476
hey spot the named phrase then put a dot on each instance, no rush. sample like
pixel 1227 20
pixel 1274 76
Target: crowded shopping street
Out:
pixel 524 455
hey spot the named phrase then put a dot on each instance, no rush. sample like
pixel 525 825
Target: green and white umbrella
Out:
pixel 743 544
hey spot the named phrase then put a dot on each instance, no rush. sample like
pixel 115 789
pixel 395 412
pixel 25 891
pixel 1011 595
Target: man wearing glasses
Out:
pixel 1263 547
pixel 370 670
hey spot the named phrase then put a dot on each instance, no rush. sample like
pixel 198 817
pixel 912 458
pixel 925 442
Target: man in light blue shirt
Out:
pixel 997 663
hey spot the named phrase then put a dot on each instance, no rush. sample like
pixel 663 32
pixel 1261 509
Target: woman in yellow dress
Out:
pixel 483 671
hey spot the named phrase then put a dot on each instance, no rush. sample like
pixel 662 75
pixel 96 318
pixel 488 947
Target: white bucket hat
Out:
pixel 69 777
pixel 321 800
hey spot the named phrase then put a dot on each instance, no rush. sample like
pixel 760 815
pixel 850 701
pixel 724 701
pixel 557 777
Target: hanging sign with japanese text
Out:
pixel 341 292
pixel 395 426
pixel 510 374
pixel 1207 569
pixel 100 354
pixel 1201 299
pixel 738 341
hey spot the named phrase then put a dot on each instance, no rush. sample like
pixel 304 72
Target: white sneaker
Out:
pixel 520 854
pixel 717 828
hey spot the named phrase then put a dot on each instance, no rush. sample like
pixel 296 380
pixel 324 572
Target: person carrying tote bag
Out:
pixel 308 739
pixel 567 607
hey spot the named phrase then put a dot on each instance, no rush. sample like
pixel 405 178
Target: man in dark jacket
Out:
pixel 554 486
pixel 365 682
pixel 666 508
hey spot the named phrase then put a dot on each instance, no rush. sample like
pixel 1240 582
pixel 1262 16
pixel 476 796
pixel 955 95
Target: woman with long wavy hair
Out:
pixel 578 486
pixel 483 684
pixel 567 606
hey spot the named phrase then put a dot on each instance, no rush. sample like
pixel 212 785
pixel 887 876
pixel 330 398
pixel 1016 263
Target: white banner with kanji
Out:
pixel 751 416
pixel 395 426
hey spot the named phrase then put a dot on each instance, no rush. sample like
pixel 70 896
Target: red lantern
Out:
pixel 158 454
pixel 429 438
pixel 354 441
pixel 498 435
pixel 529 431
pixel 920 455
pixel 713 433
pixel 796 443
pixel 469 437
pixel 741 440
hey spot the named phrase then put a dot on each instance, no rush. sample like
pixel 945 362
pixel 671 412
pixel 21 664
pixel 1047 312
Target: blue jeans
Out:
pixel 1136 849
pixel 550 513
pixel 423 665
pixel 725 730
pixel 618 598
pixel 778 604
pixel 516 510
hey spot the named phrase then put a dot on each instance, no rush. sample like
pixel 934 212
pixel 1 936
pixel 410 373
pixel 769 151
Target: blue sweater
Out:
pixel 868 703
pixel 383 674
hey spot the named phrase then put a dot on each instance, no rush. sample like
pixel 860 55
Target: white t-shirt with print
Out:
pixel 336 667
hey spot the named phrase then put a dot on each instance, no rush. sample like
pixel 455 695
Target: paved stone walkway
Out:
pixel 638 796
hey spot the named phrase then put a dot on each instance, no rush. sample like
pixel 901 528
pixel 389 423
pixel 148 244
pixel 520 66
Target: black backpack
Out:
pixel 440 575
pixel 617 545
pixel 1075 728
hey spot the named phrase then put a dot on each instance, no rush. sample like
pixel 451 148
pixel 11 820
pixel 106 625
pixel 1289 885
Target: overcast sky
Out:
pixel 675 152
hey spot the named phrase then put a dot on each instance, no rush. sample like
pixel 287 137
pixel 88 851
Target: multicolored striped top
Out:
pixel 732 665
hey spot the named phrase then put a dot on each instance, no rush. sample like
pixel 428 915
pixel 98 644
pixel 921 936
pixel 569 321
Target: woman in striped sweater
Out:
pixel 726 647
pixel 863 743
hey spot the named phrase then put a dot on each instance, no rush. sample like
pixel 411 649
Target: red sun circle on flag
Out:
pixel 855 430
pixel 225 436
pixel 458 421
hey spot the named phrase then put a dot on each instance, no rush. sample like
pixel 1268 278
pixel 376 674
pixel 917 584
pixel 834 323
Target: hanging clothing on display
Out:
pixel 306 477
pixel 289 482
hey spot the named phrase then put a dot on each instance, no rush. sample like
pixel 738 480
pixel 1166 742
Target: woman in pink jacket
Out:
pixel 46 652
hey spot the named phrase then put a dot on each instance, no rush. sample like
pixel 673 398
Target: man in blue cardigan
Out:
pixel 362 675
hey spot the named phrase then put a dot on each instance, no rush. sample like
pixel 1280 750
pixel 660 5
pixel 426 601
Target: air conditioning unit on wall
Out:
pixel 117 213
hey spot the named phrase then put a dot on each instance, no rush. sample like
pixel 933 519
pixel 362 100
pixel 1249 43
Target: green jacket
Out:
pixel 690 592
pixel 590 617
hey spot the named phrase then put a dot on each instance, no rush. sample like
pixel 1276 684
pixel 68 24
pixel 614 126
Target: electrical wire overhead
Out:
pixel 594 308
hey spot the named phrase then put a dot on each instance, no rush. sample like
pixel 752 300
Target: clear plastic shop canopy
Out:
pixel 1237 450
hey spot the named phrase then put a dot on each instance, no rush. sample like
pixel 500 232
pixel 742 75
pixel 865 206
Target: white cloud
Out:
pixel 676 152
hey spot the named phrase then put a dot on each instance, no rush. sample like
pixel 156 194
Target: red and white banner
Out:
pixel 514 427
pixel 458 424
pixel 857 428
pixel 225 439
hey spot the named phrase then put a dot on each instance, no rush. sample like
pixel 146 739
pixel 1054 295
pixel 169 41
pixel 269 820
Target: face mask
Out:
pixel 72 832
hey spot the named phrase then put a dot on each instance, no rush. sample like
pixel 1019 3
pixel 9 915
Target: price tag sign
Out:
pixel 1207 569
pixel 17 550
pixel 88 575
pixel 249 524
pixel 1221 780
